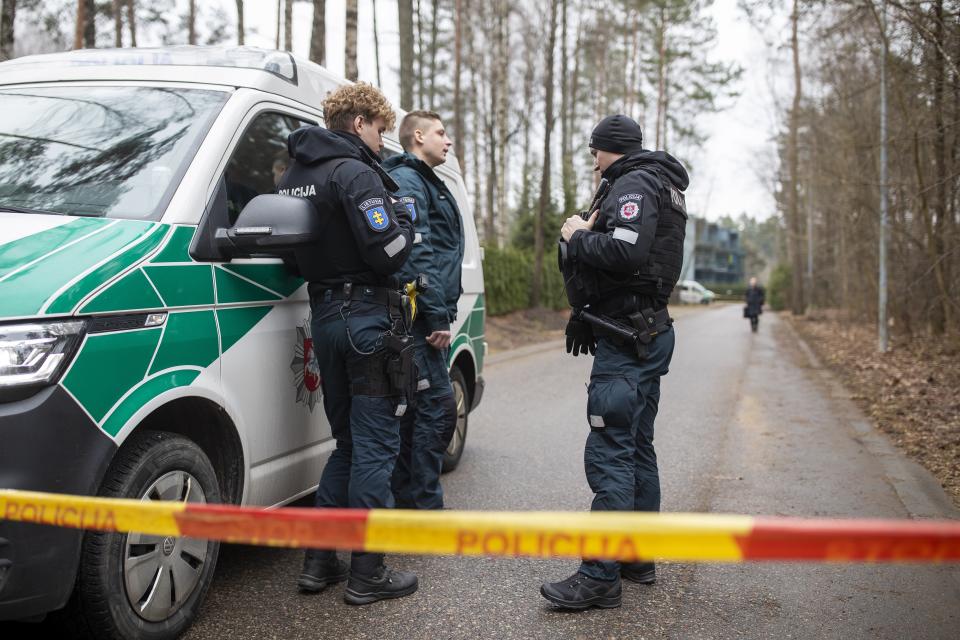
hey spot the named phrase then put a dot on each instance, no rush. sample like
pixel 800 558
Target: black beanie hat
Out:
pixel 618 134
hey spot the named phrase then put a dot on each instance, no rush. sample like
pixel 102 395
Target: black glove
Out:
pixel 580 337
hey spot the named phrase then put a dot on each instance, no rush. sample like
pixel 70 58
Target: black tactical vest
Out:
pixel 659 275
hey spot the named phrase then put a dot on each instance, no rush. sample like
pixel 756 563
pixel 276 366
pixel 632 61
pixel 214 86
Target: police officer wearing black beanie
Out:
pixel 620 266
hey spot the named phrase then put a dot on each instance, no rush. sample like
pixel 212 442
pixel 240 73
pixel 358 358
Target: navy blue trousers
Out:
pixel 366 431
pixel 619 458
pixel 426 429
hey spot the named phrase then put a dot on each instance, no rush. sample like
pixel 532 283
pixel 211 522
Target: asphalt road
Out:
pixel 748 424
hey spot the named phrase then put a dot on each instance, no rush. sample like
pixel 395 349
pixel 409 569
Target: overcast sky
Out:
pixel 730 172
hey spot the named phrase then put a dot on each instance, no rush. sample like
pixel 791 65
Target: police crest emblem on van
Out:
pixel 306 373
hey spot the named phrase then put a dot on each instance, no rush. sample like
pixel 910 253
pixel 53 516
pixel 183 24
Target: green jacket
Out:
pixel 438 241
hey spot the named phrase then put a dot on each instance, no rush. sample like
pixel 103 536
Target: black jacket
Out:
pixel 622 239
pixel 755 298
pixel 368 233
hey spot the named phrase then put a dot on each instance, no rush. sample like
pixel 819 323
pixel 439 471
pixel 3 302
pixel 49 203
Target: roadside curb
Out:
pixel 522 352
pixel 539 347
pixel 919 491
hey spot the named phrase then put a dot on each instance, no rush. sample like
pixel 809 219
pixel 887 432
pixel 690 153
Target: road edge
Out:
pixel 918 490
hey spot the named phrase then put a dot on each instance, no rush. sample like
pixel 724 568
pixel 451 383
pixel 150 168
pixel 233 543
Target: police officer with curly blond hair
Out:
pixel 356 308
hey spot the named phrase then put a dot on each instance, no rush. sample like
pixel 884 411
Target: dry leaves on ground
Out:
pixel 912 392
pixel 522 328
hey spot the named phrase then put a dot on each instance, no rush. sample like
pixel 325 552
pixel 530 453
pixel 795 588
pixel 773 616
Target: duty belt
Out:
pixel 638 329
pixel 354 292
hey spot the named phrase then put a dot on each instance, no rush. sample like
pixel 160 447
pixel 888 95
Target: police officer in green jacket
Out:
pixel 437 253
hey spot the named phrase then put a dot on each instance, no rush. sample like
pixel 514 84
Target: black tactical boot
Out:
pixel 371 580
pixel 641 572
pixel 581 592
pixel 321 568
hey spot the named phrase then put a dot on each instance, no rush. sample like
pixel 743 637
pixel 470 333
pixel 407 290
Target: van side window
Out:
pixel 259 160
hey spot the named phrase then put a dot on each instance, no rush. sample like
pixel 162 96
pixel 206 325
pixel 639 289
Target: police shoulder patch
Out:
pixel 629 196
pixel 376 216
pixel 411 205
pixel 630 209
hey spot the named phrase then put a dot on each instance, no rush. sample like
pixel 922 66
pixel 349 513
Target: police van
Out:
pixel 143 352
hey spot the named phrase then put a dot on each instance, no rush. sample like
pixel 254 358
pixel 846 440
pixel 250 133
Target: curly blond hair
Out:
pixel 344 104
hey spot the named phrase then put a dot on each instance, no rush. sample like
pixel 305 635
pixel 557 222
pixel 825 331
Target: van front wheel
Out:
pixel 139 586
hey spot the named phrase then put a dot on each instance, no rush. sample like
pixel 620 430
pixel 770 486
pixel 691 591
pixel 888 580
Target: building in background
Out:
pixel 712 254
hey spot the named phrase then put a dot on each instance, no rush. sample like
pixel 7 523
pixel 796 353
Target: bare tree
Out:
pixel 566 154
pixel 8 14
pixel 350 42
pixel 536 297
pixel 86 33
pixel 132 21
pixel 118 23
pixel 795 235
pixel 459 137
pixel 288 25
pixel 318 37
pixel 192 23
pixel 241 32
pixel 376 42
pixel 432 53
pixel 405 19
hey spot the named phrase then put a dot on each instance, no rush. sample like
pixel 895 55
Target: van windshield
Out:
pixel 117 151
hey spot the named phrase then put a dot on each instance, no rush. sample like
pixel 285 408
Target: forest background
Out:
pixel 520 85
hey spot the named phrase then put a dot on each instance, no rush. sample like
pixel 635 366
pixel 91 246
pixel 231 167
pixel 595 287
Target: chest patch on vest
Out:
pixel 630 210
pixel 411 205
pixel 376 218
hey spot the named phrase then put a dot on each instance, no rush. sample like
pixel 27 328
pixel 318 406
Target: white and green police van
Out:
pixel 142 353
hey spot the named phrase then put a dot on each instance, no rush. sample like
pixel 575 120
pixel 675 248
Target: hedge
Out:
pixel 508 280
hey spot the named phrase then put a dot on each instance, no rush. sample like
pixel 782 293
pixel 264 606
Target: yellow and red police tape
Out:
pixel 623 536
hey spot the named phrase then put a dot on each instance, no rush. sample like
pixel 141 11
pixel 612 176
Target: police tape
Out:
pixel 623 536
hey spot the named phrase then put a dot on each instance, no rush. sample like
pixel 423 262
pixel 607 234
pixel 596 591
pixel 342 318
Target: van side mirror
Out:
pixel 271 224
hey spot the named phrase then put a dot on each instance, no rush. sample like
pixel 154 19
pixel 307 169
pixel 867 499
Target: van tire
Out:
pixel 100 607
pixel 461 396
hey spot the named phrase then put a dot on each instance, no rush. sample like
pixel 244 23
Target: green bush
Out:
pixel 778 290
pixel 508 280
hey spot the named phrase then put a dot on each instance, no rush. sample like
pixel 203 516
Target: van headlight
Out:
pixel 34 355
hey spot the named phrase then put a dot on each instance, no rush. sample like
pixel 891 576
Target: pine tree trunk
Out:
pixel 566 154
pixel 279 19
pixel 940 318
pixel 376 42
pixel 405 20
pixel 132 21
pixel 793 169
pixel 7 37
pixel 288 25
pixel 241 32
pixel 536 297
pixel 661 76
pixel 118 23
pixel 350 42
pixel 432 78
pixel 318 36
pixel 419 74
pixel 459 138
pixel 192 23
pixel 86 34
pixel 503 107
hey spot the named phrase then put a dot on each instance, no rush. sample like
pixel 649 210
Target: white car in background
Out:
pixel 692 292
